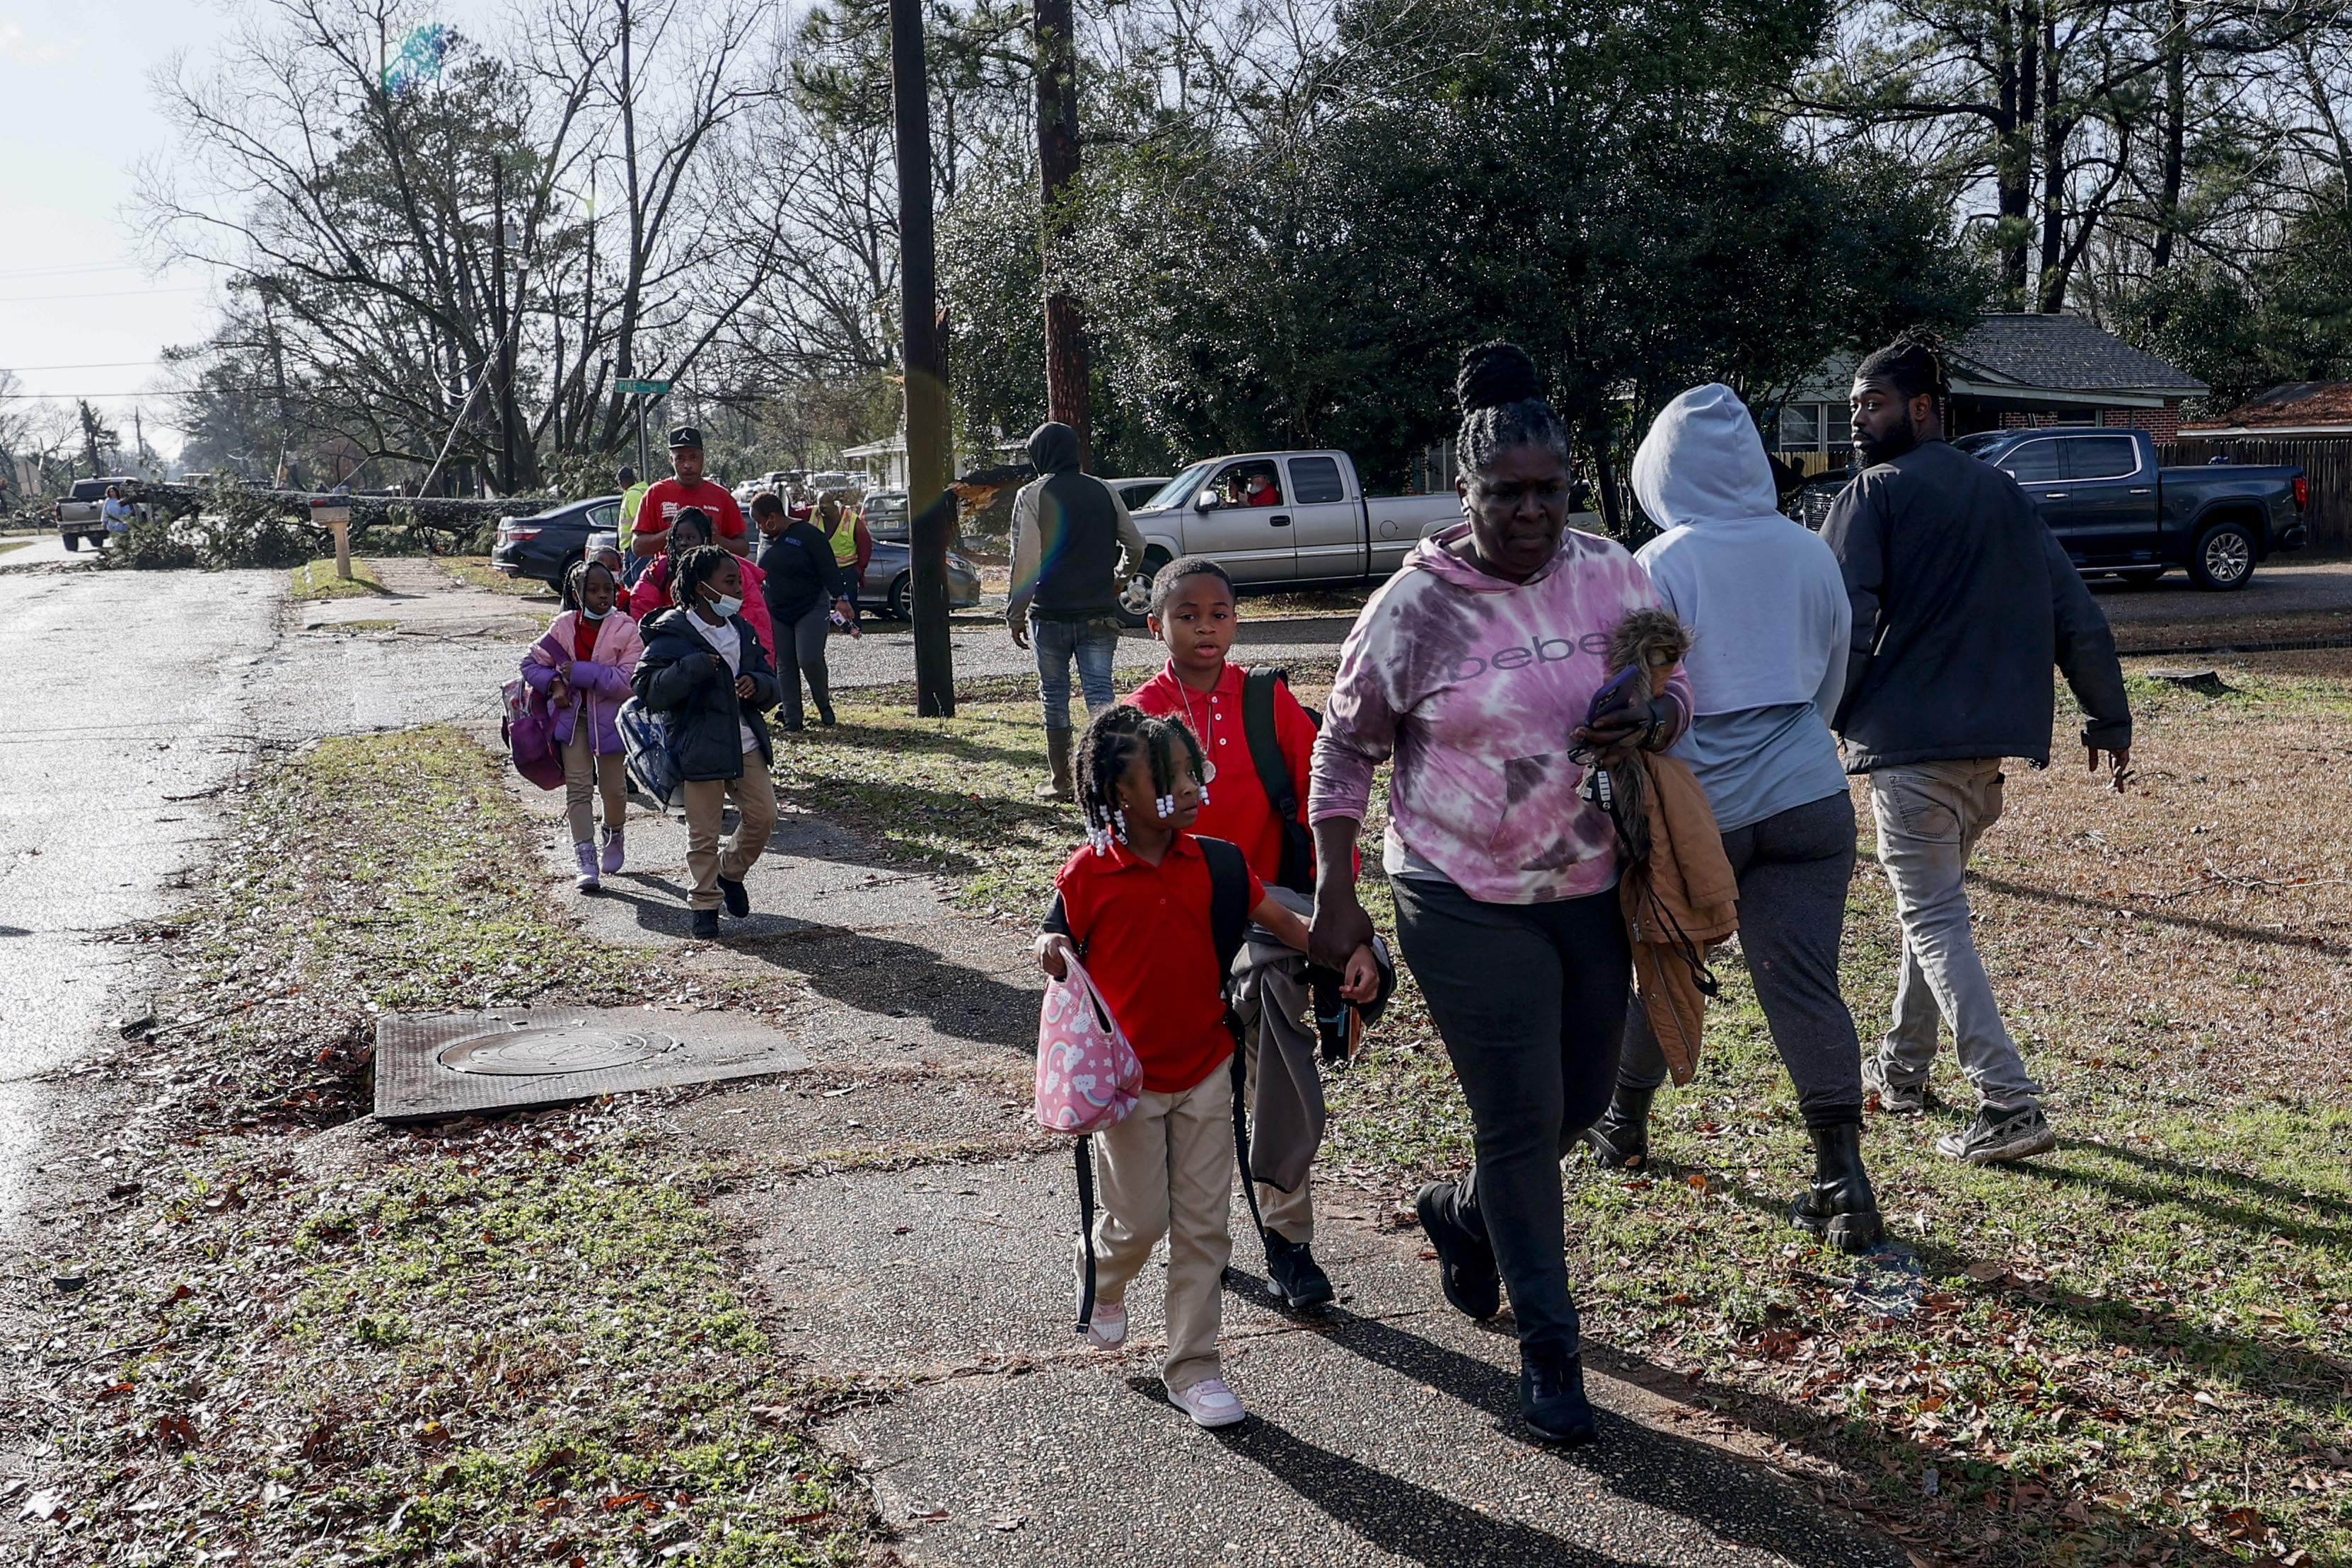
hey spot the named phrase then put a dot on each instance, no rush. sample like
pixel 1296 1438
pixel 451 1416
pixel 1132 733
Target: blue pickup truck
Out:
pixel 2115 510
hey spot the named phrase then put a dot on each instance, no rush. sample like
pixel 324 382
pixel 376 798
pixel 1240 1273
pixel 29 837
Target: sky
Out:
pixel 79 315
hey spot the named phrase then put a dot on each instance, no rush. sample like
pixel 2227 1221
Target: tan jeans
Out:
pixel 587 775
pixel 1289 1215
pixel 1168 1170
pixel 706 803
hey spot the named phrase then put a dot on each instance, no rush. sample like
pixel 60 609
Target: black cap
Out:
pixel 684 435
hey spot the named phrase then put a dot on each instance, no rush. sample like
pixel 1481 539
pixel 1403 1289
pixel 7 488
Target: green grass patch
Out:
pixel 8 545
pixel 317 580
pixel 524 1341
pixel 475 572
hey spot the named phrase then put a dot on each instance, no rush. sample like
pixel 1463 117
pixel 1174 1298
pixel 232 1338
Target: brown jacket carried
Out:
pixel 1677 889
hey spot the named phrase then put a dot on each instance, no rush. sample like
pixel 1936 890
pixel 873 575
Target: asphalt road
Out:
pixel 125 710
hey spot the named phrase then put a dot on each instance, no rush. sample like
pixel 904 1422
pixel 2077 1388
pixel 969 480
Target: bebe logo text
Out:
pixel 1538 651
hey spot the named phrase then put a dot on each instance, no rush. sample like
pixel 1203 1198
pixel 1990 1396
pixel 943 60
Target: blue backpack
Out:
pixel 652 760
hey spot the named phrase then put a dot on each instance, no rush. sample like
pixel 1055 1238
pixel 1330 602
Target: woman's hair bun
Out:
pixel 1496 373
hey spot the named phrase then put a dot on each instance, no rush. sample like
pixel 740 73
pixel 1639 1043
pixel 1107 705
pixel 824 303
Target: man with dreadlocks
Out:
pixel 1476 667
pixel 1962 599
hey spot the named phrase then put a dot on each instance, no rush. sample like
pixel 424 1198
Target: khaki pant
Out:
pixel 706 803
pixel 587 774
pixel 1168 1170
pixel 1929 817
pixel 1289 1215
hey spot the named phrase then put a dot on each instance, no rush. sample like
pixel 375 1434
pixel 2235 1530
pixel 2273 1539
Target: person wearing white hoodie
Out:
pixel 1768 607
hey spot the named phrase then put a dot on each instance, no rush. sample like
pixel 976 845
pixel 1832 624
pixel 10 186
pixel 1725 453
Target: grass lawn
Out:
pixel 317 580
pixel 476 570
pixel 519 1341
pixel 2137 1348
pixel 8 545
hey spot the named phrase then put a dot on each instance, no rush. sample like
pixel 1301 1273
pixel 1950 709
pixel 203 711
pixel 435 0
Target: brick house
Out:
pixel 2009 370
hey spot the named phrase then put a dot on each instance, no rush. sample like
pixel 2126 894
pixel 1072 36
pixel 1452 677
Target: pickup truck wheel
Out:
pixel 73 541
pixel 2223 559
pixel 1135 597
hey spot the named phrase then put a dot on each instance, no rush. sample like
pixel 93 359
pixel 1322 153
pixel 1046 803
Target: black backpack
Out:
pixel 1297 871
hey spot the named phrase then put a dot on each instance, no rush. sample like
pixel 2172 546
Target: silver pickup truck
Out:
pixel 1282 519
pixel 78 511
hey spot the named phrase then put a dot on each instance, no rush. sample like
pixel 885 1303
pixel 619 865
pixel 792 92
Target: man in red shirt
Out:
pixel 686 487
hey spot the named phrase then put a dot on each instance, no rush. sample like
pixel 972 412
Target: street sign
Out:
pixel 650 388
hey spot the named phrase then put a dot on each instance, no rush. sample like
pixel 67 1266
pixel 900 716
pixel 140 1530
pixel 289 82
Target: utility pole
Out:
pixel 930 505
pixel 505 362
pixel 1067 397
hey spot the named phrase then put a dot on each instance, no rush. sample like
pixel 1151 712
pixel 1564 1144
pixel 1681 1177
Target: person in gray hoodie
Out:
pixel 1767 666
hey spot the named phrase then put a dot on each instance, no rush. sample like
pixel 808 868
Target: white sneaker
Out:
pixel 1108 1328
pixel 1210 1403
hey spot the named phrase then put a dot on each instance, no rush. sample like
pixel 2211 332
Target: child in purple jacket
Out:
pixel 582 667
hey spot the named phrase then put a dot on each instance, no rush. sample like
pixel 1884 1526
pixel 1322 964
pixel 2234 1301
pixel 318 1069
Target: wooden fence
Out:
pixel 2327 461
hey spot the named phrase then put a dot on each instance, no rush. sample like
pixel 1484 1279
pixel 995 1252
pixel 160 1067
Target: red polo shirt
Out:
pixel 1238 810
pixel 1144 932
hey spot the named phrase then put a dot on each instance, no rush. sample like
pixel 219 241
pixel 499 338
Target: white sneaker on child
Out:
pixel 1210 1403
pixel 1107 1330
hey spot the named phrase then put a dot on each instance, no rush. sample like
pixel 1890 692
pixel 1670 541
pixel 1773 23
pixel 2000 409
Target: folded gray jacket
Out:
pixel 1271 996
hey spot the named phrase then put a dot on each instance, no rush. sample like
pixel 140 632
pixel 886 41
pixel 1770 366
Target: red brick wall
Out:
pixel 2163 424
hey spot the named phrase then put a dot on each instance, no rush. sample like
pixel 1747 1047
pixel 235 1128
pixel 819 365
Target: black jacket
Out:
pixel 675 677
pixel 1962 601
pixel 800 572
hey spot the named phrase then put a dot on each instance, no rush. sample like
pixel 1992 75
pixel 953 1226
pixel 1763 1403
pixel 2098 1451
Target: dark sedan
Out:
pixel 889 580
pixel 544 547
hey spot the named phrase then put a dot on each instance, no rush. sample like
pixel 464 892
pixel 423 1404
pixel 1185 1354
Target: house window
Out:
pixel 1801 427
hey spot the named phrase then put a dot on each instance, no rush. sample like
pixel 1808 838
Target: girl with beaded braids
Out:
pixel 1474 669
pixel 1133 903
pixel 705 671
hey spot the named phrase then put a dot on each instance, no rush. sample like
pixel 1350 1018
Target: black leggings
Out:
pixel 1530 1001
pixel 1793 869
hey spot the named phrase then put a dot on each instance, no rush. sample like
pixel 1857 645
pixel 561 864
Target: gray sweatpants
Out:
pixel 1930 815
pixel 800 653
pixel 1793 868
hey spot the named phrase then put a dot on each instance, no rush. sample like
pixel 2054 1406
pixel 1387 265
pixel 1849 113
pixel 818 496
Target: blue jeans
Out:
pixel 1057 642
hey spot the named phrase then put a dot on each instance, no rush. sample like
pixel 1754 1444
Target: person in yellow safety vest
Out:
pixel 633 491
pixel 853 545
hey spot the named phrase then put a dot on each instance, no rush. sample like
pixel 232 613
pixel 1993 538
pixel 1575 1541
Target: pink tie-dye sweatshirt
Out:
pixel 1473 683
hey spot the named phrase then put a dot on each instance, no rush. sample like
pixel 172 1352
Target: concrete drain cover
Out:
pixel 430 1065
pixel 537 1052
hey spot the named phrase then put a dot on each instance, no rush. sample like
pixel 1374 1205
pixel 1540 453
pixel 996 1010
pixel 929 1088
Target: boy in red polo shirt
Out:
pixel 1193 612
pixel 1134 905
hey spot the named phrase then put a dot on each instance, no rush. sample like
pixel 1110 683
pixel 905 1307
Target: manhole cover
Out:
pixel 545 1053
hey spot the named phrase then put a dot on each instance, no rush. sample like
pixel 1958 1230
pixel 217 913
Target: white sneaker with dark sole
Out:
pixel 1996 1134
pixel 1210 1404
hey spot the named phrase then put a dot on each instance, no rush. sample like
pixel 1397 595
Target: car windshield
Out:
pixel 1172 492
pixel 1974 446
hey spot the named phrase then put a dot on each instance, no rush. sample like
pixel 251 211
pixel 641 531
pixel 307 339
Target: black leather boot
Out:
pixel 1839 1207
pixel 1061 786
pixel 1551 1394
pixel 1620 1139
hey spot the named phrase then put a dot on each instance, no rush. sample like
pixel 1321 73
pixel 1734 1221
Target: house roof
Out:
pixel 2298 408
pixel 2061 353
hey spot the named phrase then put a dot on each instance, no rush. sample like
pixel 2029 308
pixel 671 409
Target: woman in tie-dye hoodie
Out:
pixel 1474 668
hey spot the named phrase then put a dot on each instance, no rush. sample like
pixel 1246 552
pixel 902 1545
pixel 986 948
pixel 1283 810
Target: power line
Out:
pixel 82 267
pixel 107 294
pixel 99 365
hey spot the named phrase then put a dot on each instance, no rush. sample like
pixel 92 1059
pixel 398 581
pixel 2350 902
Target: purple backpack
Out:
pixel 529 730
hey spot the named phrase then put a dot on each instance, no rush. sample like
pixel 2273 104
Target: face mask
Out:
pixel 725 607
pixel 587 614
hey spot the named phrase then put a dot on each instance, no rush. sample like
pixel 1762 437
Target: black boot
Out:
pixel 1294 1272
pixel 1465 1262
pixel 1620 1139
pixel 823 696
pixel 1839 1207
pixel 1058 757
pixel 1551 1394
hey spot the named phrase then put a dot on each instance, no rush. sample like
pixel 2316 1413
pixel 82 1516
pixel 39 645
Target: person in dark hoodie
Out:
pixel 703 668
pixel 1073 545
pixel 1769 609
pixel 1962 601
